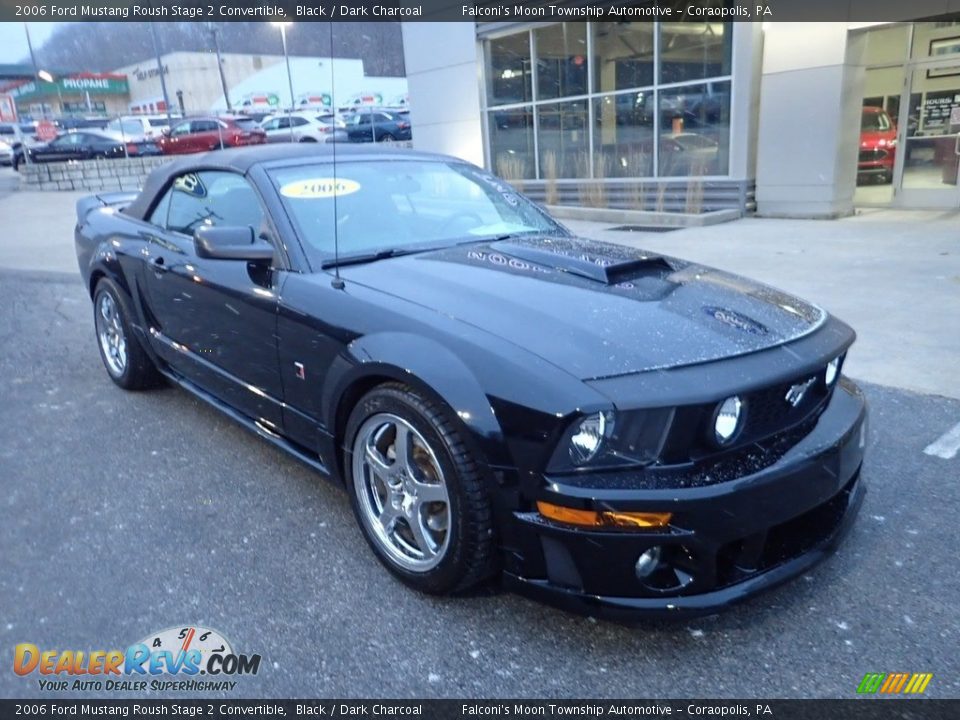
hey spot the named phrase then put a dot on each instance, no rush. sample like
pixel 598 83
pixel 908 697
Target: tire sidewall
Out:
pixel 106 286
pixel 446 575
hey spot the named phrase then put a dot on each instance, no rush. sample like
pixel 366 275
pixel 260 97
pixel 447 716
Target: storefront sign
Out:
pixel 87 82
pixel 938 108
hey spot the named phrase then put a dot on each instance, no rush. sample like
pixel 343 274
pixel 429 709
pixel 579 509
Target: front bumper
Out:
pixel 726 542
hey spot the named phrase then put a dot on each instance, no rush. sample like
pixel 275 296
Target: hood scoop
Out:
pixel 599 267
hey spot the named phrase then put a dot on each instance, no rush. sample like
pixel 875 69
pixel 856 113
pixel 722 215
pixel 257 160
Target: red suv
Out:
pixel 209 133
pixel 878 145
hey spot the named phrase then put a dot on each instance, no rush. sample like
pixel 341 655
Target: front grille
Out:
pixel 769 411
pixel 768 415
pixel 872 155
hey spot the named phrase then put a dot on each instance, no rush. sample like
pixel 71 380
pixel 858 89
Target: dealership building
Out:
pixel 788 119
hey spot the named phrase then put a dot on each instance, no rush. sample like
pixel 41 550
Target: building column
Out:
pixel 811 92
pixel 443 80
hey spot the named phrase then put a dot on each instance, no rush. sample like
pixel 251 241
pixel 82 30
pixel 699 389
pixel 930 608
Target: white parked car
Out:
pixel 6 153
pixel 305 126
pixel 137 128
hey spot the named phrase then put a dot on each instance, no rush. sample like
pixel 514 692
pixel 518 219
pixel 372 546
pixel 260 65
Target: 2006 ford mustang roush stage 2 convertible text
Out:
pixel 605 429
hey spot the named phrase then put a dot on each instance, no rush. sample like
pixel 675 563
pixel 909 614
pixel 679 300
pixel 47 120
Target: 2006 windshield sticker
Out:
pixel 170 660
pixel 320 188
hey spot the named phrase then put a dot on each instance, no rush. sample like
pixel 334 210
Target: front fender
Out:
pixel 428 366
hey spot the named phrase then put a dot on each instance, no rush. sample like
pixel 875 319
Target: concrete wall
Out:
pixel 809 125
pixel 120 174
pixel 443 80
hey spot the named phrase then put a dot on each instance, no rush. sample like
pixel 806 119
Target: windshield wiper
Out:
pixel 368 257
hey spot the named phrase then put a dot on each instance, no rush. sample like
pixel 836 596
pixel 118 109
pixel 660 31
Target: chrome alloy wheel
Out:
pixel 113 341
pixel 401 491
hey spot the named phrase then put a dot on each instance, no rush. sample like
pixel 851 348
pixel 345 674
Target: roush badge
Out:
pixel 735 320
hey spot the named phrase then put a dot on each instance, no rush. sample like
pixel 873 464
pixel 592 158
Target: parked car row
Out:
pixel 144 135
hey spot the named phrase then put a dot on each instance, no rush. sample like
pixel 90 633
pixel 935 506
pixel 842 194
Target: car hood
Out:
pixel 594 309
pixel 872 137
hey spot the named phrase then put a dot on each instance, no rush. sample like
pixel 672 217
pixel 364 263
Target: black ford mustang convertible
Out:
pixel 605 429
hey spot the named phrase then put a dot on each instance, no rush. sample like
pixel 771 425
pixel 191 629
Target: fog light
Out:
pixel 648 562
pixel 831 373
pixel 727 421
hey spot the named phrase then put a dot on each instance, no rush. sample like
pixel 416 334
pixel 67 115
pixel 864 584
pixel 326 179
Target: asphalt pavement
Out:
pixel 127 513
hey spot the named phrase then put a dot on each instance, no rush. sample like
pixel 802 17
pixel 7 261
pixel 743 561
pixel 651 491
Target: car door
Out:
pixel 361 130
pixel 270 127
pixel 206 135
pixel 177 140
pixel 59 149
pixel 214 321
pixel 301 128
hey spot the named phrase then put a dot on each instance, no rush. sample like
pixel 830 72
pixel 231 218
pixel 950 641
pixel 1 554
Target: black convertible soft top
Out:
pixel 241 159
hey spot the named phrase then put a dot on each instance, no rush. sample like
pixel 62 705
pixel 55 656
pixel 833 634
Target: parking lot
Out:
pixel 125 514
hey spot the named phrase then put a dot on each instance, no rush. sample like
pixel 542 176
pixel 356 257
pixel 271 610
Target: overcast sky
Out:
pixel 13 39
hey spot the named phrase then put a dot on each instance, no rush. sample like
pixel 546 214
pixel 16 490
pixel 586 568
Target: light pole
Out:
pixel 37 72
pixel 286 57
pixel 47 77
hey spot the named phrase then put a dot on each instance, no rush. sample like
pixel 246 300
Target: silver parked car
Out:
pixel 304 126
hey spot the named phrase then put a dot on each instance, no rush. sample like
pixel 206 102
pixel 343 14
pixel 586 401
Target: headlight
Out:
pixel 726 423
pixel 612 439
pixel 588 436
pixel 833 369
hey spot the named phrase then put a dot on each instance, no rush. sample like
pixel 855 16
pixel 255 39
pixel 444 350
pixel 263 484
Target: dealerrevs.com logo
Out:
pixel 170 660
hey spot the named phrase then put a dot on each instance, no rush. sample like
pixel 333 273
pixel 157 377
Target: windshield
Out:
pixel 874 121
pixel 402 205
pixel 245 123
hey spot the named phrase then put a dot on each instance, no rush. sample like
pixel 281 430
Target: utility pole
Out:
pixel 163 80
pixel 215 32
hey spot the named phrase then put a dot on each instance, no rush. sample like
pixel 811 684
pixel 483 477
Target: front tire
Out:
pixel 418 493
pixel 124 358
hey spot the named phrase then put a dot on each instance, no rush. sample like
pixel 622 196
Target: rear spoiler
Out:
pixel 115 200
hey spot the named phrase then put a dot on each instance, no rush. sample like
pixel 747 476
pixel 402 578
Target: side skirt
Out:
pixel 266 433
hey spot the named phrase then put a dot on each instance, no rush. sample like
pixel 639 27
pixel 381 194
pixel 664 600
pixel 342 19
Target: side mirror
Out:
pixel 165 131
pixel 231 243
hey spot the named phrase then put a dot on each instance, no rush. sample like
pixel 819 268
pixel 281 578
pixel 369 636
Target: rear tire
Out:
pixel 424 510
pixel 386 137
pixel 124 358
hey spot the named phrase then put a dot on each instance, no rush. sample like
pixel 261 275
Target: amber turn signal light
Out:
pixel 603 518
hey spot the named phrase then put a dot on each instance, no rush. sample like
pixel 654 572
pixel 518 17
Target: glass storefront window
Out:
pixel 562 135
pixel 695 130
pixel 511 143
pixel 628 120
pixel 623 134
pixel 622 56
pixel 509 70
pixel 561 52
pixel 694 51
